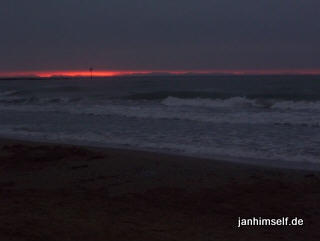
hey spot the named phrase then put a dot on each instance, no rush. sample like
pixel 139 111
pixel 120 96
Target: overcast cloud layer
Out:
pixel 159 34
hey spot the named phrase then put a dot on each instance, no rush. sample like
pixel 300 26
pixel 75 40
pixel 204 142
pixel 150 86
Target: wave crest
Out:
pixel 243 102
pixel 8 93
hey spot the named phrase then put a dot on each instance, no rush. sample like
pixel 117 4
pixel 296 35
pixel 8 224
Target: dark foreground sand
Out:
pixel 56 192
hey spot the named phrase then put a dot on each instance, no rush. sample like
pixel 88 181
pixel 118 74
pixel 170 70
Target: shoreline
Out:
pixel 68 192
pixel 262 163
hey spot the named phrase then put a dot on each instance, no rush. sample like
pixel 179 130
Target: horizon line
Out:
pixel 113 73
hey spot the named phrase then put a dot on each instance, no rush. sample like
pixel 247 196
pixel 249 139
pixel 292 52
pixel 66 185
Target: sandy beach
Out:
pixel 64 192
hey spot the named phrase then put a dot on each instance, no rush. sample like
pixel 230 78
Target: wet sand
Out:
pixel 64 192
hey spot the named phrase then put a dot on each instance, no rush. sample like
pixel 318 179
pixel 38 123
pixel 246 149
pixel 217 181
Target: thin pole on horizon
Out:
pixel 91 70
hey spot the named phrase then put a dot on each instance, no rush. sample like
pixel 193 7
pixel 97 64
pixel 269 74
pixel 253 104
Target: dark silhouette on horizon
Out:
pixel 91 70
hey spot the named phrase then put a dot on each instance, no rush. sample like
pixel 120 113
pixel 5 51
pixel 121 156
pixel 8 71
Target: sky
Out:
pixel 61 36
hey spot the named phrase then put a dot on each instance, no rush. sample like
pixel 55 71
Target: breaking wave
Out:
pixel 243 102
pixel 162 95
pixel 8 93
pixel 175 113
pixel 14 99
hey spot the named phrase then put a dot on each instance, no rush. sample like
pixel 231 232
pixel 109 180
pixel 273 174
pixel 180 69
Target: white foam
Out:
pixel 297 105
pixel 238 102
pixel 202 102
pixel 175 113
pixel 8 93
pixel 107 139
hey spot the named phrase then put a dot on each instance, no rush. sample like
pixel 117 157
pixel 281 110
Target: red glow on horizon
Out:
pixel 83 73
pixel 110 73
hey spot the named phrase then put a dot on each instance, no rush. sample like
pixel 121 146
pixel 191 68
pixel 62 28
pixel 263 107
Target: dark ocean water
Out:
pixel 266 119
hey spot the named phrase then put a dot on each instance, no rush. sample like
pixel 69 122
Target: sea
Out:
pixel 267 120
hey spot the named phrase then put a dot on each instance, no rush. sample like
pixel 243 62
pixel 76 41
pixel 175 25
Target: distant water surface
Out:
pixel 269 119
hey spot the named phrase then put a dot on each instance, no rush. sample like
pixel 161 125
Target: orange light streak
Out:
pixel 110 73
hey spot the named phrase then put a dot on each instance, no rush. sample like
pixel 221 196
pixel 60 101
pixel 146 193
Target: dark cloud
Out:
pixel 163 34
